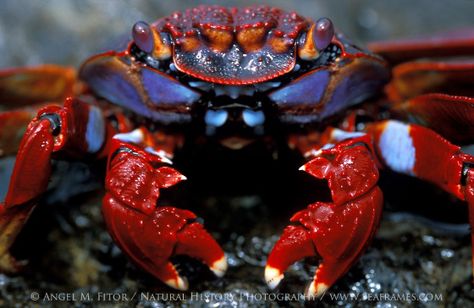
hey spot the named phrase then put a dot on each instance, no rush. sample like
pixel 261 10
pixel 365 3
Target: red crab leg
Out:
pixel 339 231
pixel 31 85
pixel 138 168
pixel 450 116
pixel 418 151
pixel 12 127
pixel 420 77
pixel 75 130
pixel 456 43
pixel 20 88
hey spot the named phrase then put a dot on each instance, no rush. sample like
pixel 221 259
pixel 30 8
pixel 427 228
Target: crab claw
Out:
pixel 336 232
pixel 151 240
pixel 149 234
pixel 294 244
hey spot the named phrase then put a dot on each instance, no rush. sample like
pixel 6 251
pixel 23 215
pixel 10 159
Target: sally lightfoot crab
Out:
pixel 231 77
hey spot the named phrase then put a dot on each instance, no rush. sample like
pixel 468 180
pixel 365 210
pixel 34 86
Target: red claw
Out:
pixel 336 232
pixel 294 244
pixel 150 235
pixel 151 240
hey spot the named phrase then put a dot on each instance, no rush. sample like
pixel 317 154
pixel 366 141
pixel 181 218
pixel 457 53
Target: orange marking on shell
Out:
pixel 189 44
pixel 308 51
pixel 161 51
pixel 252 39
pixel 219 39
pixel 279 44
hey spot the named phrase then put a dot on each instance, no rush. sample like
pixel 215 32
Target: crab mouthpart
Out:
pixel 236 143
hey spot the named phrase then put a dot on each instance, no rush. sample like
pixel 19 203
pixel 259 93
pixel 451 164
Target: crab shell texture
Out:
pixel 237 47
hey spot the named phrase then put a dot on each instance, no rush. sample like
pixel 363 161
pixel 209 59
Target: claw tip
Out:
pixel 315 290
pixel 273 277
pixel 166 160
pixel 179 283
pixel 219 267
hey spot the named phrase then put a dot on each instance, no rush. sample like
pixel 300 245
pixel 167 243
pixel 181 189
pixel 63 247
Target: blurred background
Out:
pixel 66 32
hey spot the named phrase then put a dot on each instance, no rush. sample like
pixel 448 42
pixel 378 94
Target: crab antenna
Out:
pixel 150 41
pixel 318 38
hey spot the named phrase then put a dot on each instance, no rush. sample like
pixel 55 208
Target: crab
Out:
pixel 234 76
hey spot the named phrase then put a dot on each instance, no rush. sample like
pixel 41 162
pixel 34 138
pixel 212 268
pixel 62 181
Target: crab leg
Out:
pixel 421 77
pixel 39 84
pixel 138 168
pixel 456 113
pixel 23 92
pixel 75 130
pixel 418 151
pixel 455 43
pixel 338 231
pixel 12 127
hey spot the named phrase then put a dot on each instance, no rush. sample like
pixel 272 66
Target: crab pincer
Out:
pixel 336 232
pixel 149 234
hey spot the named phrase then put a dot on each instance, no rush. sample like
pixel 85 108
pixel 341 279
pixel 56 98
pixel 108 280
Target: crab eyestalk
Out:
pixel 150 41
pixel 317 39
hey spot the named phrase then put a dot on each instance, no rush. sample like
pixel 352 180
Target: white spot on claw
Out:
pixel 396 146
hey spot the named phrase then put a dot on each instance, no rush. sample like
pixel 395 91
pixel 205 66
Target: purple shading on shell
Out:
pixel 304 91
pixel 110 78
pixel 114 88
pixel 163 91
pixel 355 88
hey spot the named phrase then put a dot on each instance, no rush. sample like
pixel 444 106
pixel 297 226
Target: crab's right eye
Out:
pixel 323 33
pixel 143 36
pixel 317 39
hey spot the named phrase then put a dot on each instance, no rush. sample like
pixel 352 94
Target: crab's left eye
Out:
pixel 318 38
pixel 150 42
pixel 143 36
